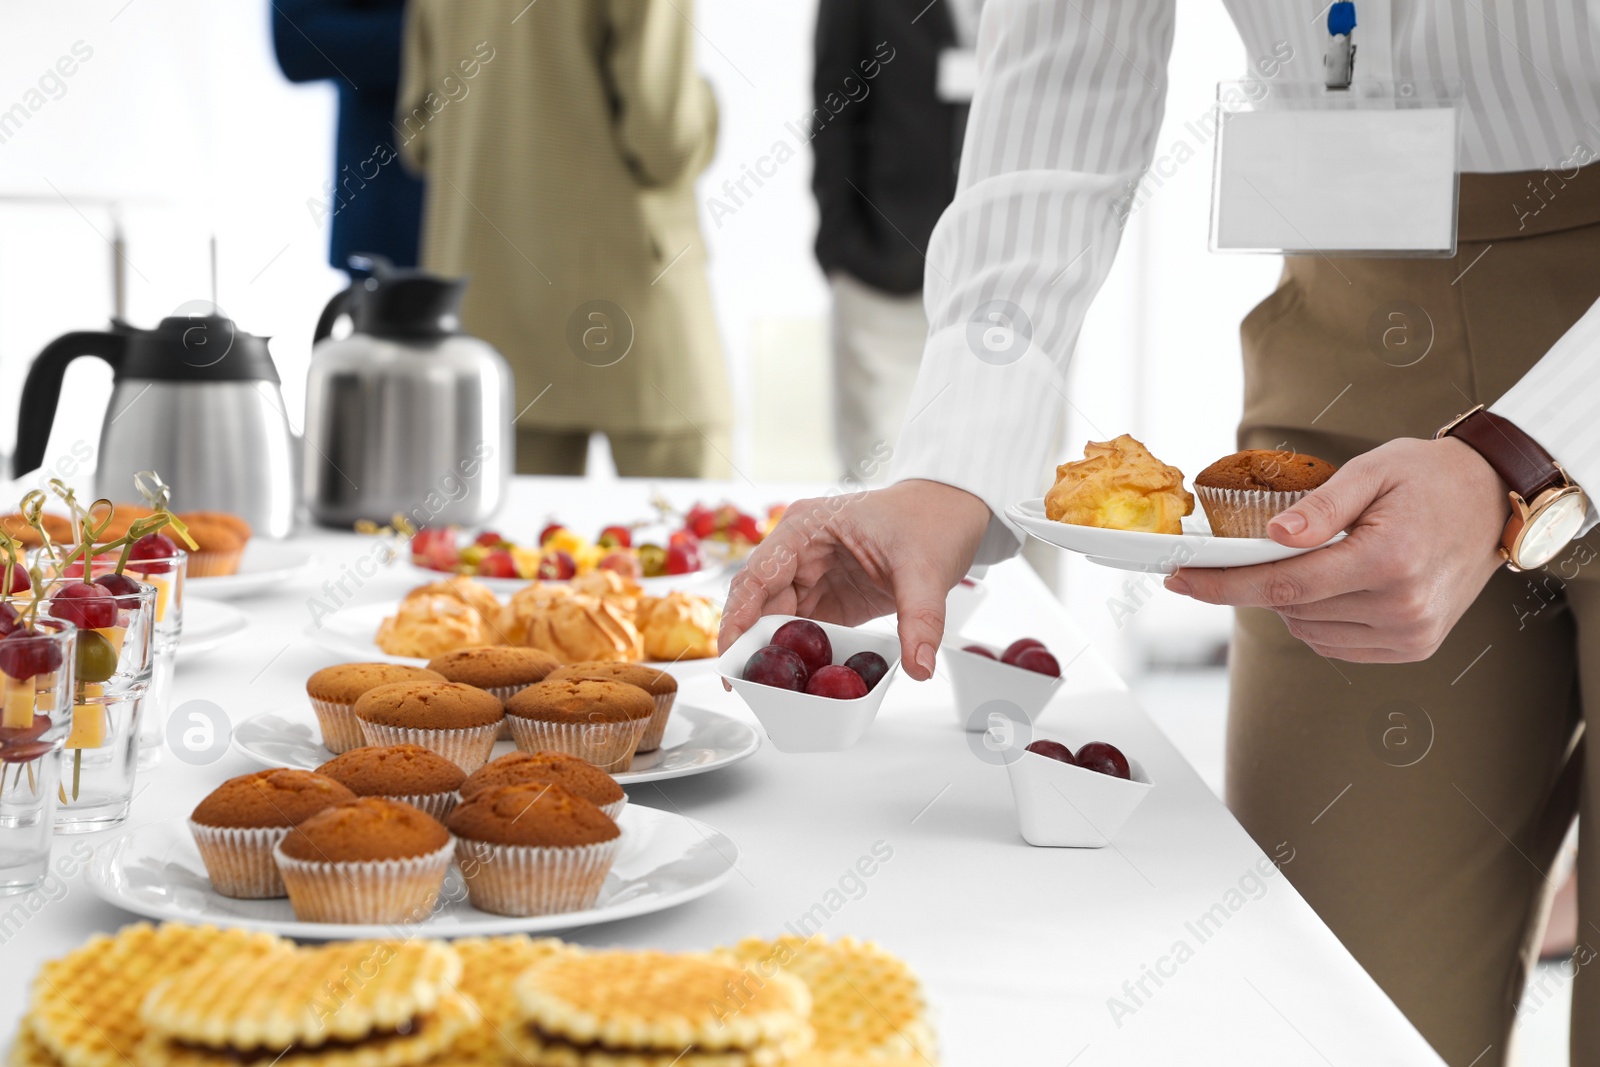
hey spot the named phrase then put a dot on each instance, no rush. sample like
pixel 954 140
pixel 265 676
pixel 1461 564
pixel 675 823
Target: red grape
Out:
pixel 1017 648
pixel 12 735
pixel 745 526
pixel 1039 661
pixel 837 683
pixel 776 666
pixel 549 532
pixel 871 666
pixel 88 607
pixel 557 566
pixel 119 585
pixel 8 618
pixel 497 564
pixel 154 546
pixel 683 557
pixel 979 650
pixel 809 640
pixel 616 537
pixel 24 654
pixel 1053 749
pixel 435 549
pixel 700 521
pixel 19 580
pixel 1104 758
pixel 488 539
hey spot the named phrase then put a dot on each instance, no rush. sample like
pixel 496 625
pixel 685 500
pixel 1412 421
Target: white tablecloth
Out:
pixel 1169 947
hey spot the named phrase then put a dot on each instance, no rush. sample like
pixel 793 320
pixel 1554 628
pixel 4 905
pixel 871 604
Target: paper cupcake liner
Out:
pixel 613 810
pixel 439 805
pixel 214 564
pixel 365 891
pixel 468 748
pixel 1243 512
pixel 656 725
pixel 607 745
pixel 239 859
pixel 523 880
pixel 504 693
pixel 341 730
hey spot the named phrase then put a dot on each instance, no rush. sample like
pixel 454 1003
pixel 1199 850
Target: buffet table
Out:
pixel 1180 943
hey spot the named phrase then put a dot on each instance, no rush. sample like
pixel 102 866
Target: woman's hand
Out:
pixel 851 558
pixel 1424 518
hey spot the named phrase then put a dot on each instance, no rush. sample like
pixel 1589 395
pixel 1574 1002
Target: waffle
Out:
pixel 652 1009
pixel 84 1009
pixel 342 992
pixel 417 1041
pixel 865 1003
pixel 489 968
pixel 26 1051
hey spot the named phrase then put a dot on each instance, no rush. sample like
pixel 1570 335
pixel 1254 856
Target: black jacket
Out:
pixel 375 206
pixel 887 149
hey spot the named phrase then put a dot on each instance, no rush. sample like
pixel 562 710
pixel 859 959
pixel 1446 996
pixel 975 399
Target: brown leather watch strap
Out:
pixel 1526 467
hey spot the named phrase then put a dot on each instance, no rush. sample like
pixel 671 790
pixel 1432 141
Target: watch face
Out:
pixel 1549 530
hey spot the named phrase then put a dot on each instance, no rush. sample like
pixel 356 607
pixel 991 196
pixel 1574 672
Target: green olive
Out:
pixel 97 658
pixel 652 560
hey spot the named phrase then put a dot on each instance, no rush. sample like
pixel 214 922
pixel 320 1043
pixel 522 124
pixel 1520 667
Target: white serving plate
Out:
pixel 264 566
pixel 208 624
pixel 350 631
pixel 1063 806
pixel 800 722
pixel 696 741
pixel 1130 550
pixel 665 860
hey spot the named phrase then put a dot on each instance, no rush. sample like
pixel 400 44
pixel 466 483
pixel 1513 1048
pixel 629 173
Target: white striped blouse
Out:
pixel 1069 102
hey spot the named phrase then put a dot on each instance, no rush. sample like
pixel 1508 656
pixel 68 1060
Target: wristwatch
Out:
pixel 1547 507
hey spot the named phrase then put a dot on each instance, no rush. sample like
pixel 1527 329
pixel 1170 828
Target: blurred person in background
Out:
pixel 374 205
pixel 889 96
pixel 560 143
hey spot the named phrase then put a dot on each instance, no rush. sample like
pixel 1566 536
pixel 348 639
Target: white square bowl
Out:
pixel 1063 806
pixel 799 722
pixel 979 681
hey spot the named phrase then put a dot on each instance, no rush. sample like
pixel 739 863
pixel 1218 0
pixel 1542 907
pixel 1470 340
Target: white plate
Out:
pixel 659 586
pixel 665 860
pixel 696 741
pixel 208 624
pixel 264 565
pixel 1129 550
pixel 350 631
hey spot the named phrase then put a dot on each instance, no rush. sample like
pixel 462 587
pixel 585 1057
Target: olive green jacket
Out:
pixel 560 140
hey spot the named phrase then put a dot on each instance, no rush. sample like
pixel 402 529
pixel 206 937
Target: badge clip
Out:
pixel 1339 62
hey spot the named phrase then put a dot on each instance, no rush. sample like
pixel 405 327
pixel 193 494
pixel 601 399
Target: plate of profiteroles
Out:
pixel 1122 507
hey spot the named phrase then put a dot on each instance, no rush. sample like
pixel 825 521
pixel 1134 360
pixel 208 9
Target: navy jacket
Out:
pixel 887 149
pixel 374 206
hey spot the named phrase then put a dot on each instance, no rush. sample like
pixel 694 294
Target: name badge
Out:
pixel 958 75
pixel 1372 170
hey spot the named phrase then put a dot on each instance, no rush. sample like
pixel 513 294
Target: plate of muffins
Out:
pixel 398 836
pixel 1122 507
pixel 474 705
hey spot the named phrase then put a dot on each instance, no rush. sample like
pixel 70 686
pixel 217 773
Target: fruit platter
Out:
pixel 699 545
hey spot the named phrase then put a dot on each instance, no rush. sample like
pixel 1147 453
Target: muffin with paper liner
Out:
pixel 533 849
pixel 1242 492
pixel 237 826
pixel 459 722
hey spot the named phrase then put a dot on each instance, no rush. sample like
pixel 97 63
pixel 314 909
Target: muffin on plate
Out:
pixel 239 823
pixel 457 721
pixel 219 543
pixel 497 669
pixel 601 722
pixel 578 777
pixel 662 687
pixel 335 690
pixel 533 849
pixel 1242 492
pixel 367 860
pixel 408 773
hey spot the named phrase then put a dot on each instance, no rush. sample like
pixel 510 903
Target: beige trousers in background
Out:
pixel 1425 802
pixel 877 340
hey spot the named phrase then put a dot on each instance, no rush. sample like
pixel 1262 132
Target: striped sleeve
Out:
pixel 1557 403
pixel 1069 101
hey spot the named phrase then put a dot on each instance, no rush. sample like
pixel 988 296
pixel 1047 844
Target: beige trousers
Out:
pixel 1425 803
pixel 679 454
